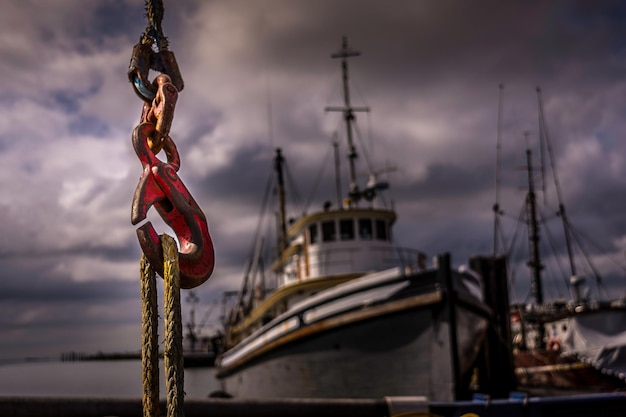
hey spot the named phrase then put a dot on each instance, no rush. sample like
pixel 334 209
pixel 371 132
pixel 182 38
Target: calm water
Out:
pixel 97 379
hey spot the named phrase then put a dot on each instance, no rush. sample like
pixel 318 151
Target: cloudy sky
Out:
pixel 258 75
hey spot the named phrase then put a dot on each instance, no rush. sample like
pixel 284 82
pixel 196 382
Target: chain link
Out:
pixel 159 184
pixel 152 53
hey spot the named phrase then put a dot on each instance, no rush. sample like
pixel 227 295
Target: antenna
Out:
pixel 348 112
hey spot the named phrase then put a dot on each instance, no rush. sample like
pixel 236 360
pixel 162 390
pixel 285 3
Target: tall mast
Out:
pixel 496 206
pixel 535 259
pixel 282 220
pixel 348 113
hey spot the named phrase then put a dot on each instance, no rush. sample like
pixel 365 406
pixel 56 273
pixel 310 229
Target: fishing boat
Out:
pixel 350 314
pixel 200 348
pixel 573 344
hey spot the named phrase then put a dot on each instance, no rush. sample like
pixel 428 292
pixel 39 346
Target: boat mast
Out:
pixel 337 173
pixel 535 260
pixel 496 207
pixel 348 113
pixel 192 298
pixel 282 220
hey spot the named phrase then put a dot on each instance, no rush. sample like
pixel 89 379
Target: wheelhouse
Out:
pixel 338 242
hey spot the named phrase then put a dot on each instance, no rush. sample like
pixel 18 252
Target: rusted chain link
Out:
pixel 151 53
pixel 159 184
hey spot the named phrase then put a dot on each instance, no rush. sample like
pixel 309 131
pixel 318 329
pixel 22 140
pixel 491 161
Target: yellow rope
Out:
pixel 173 353
pixel 149 342
pixel 173 350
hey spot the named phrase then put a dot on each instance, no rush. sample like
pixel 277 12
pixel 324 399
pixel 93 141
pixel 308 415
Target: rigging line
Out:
pixel 254 243
pixel 318 178
pixel 557 185
pixel 551 291
pixel 599 281
pixel 552 243
pixel 596 246
pixel 359 92
pixel 512 282
pixel 207 314
pixel 370 136
pixel 518 227
pixel 268 186
pixel 528 295
pixel 297 201
pixel 368 160
pixel 496 206
pixel 262 283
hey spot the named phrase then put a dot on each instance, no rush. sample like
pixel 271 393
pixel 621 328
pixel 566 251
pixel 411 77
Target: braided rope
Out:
pixel 149 340
pixel 154 32
pixel 173 350
pixel 173 353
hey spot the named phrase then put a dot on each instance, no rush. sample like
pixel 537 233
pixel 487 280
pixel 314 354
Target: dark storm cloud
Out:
pixel 443 181
pixel 44 289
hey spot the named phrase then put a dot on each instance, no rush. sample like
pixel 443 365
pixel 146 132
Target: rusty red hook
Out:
pixel 160 186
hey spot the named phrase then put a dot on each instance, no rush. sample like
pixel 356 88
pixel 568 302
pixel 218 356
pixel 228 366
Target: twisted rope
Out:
pixel 154 32
pixel 173 350
pixel 173 353
pixel 149 340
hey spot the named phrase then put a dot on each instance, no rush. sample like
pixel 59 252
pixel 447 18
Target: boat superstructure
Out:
pixel 352 314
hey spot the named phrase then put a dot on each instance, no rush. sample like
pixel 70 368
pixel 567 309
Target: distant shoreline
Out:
pixel 100 356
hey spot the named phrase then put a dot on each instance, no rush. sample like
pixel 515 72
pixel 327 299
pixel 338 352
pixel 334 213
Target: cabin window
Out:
pixel 346 229
pixel 313 234
pixel 329 232
pixel 365 229
pixel 381 230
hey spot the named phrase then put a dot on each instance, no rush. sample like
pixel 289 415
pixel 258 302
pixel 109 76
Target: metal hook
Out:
pixel 160 186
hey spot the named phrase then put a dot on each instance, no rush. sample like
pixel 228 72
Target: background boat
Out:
pixel 569 344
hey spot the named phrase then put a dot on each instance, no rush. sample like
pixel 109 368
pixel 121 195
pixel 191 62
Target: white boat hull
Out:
pixel 390 340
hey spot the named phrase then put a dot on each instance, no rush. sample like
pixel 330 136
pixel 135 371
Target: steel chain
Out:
pixel 159 184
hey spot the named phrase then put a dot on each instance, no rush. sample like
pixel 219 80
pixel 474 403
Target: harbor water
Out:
pixel 93 379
